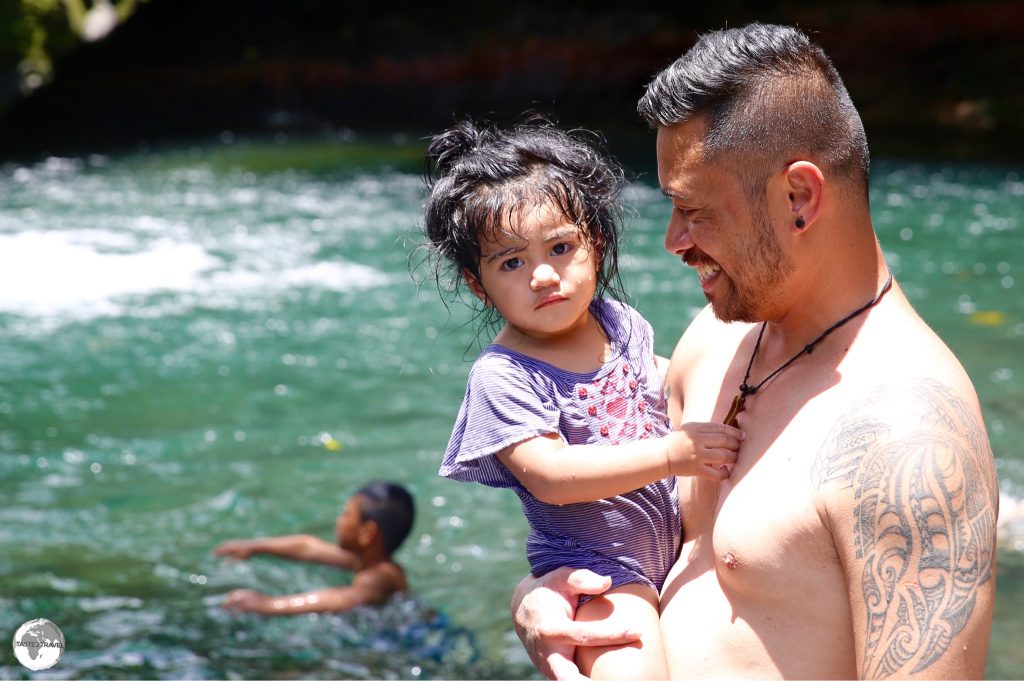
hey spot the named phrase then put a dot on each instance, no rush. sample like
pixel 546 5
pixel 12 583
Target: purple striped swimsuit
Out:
pixel 510 398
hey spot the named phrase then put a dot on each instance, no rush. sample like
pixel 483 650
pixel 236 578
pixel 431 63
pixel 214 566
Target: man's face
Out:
pixel 715 229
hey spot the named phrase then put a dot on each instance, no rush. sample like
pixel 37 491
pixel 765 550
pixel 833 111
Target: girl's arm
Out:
pixel 557 473
pixel 304 547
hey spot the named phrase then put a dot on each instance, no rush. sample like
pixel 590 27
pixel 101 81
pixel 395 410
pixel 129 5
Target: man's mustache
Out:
pixel 695 258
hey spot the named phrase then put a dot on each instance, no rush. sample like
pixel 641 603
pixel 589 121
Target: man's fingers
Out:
pixel 596 633
pixel 583 581
pixel 563 668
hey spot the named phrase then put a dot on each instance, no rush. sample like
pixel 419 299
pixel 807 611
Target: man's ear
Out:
pixel 804 184
pixel 475 286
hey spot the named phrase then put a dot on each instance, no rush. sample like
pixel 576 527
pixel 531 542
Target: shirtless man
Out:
pixel 855 536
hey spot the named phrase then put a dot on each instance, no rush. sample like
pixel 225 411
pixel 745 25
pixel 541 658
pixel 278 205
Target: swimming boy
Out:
pixel 372 525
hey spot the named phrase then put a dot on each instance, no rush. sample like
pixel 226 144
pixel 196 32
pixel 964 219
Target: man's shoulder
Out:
pixel 896 342
pixel 910 425
pixel 707 332
pixel 907 485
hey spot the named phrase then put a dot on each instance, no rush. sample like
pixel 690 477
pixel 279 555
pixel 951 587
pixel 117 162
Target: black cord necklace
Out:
pixel 739 402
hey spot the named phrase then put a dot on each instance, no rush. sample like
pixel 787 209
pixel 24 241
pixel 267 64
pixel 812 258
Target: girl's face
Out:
pixel 541 277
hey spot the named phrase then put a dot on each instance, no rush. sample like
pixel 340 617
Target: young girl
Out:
pixel 566 405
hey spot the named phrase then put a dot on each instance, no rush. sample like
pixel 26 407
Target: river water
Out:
pixel 218 341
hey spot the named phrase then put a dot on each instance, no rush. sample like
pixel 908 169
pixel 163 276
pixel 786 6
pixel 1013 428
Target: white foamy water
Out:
pixel 46 273
pixel 87 273
pixel 1011 522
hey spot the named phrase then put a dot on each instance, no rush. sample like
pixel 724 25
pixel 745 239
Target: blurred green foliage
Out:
pixel 33 33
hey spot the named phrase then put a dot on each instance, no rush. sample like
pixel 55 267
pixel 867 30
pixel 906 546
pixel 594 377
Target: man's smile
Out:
pixel 706 270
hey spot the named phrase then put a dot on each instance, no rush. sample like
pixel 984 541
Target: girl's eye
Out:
pixel 511 264
pixel 562 248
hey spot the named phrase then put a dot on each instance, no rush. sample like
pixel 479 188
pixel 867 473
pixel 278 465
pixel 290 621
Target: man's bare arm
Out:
pixel 912 502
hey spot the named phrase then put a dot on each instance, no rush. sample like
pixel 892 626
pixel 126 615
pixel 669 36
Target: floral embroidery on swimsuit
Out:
pixel 615 406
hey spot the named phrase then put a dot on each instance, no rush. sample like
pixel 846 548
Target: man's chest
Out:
pixel 765 516
pixel 767 513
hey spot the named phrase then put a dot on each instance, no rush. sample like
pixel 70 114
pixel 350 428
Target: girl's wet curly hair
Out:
pixel 481 180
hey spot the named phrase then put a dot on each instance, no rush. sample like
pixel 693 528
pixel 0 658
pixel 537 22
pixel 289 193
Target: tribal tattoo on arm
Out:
pixel 919 467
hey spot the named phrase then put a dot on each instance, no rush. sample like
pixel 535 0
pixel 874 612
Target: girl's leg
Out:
pixel 636 605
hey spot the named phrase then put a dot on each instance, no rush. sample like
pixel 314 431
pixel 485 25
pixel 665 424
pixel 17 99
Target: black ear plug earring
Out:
pixel 800 224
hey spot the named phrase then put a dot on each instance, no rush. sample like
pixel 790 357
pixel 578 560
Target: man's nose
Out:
pixel 544 275
pixel 677 236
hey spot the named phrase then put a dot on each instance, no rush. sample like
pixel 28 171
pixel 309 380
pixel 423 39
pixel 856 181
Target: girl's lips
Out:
pixel 550 300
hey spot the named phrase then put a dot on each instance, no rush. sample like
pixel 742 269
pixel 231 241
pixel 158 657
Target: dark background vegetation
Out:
pixel 930 78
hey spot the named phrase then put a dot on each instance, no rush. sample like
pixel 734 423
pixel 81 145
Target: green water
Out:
pixel 185 333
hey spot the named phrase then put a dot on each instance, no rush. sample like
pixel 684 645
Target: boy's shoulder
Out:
pixel 384 579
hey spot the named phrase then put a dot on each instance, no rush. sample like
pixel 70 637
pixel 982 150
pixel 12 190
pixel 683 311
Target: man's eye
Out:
pixel 562 248
pixel 690 214
pixel 511 264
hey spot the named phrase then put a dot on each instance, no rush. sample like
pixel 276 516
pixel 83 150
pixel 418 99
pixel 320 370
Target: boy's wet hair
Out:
pixel 390 506
pixel 769 95
pixel 482 180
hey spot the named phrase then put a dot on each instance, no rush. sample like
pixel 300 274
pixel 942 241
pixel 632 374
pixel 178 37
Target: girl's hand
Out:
pixel 703 449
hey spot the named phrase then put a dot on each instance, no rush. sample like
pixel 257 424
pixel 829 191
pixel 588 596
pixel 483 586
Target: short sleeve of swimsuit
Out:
pixel 504 404
pixel 632 537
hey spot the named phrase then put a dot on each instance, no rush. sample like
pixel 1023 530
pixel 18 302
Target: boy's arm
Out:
pixel 372 587
pixel 304 547
pixel 557 473
pixel 908 486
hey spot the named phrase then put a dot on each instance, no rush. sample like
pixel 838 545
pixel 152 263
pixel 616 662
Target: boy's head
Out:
pixel 381 511
pixel 483 181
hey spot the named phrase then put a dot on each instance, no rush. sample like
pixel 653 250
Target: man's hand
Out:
pixel 544 609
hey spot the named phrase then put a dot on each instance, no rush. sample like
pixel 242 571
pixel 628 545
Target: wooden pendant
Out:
pixel 737 407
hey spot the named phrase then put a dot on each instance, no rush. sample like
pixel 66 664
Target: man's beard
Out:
pixel 750 293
